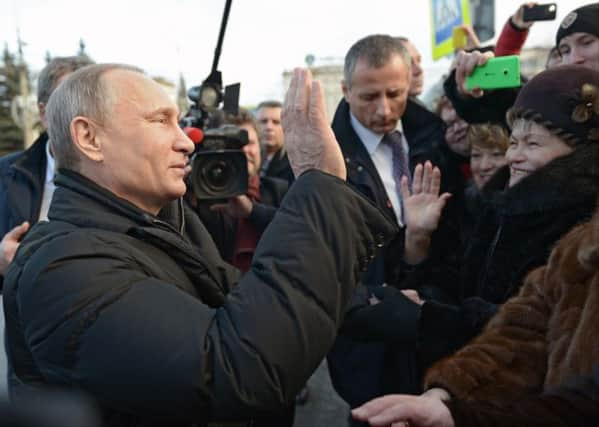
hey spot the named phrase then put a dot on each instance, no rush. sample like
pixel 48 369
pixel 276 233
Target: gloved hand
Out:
pixel 394 318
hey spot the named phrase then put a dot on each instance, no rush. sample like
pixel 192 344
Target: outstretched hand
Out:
pixel 422 210
pixel 309 139
pixel 9 244
pixel 423 205
pixel 397 409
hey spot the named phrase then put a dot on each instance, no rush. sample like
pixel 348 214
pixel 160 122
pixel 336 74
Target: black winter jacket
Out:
pixel 279 167
pixel 142 313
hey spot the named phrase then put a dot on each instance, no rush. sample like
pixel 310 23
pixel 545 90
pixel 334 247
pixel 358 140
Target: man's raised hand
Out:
pixel 309 139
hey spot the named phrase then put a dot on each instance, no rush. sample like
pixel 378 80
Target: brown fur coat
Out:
pixel 545 336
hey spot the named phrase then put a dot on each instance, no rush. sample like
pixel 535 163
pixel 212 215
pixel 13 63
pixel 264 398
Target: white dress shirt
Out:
pixel 49 186
pixel 382 157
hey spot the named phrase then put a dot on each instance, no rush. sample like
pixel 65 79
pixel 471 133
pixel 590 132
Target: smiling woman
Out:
pixel 550 184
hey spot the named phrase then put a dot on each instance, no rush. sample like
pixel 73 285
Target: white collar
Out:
pixel 49 164
pixel 370 139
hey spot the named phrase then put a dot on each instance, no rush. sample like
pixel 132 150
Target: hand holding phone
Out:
pixel 465 63
pixel 539 12
pixel 496 73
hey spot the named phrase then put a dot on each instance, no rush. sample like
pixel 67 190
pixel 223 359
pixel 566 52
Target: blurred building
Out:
pixel 329 72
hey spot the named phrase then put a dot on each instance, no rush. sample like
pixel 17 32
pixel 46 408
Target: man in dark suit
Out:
pixel 274 158
pixel 383 135
pixel 26 184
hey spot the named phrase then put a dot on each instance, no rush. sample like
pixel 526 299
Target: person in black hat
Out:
pixel 577 38
pixel 545 336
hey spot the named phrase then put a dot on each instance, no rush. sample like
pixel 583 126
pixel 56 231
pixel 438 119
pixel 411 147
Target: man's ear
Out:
pixel 345 90
pixel 85 136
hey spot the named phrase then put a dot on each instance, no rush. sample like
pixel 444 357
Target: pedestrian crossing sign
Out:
pixel 445 15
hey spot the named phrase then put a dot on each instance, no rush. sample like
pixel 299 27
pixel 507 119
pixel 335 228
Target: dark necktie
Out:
pixel 399 158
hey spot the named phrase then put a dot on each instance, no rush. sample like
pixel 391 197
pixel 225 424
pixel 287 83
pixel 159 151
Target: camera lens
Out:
pixel 217 174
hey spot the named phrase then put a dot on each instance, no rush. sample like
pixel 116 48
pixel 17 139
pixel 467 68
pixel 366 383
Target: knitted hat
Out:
pixel 585 19
pixel 563 99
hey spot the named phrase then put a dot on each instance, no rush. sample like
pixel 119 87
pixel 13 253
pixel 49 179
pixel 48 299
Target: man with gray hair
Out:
pixel 123 295
pixel 383 135
pixel 26 177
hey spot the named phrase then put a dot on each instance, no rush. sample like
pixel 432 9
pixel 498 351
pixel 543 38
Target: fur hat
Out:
pixel 563 99
pixel 585 19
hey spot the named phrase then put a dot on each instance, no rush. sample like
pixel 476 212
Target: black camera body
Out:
pixel 219 166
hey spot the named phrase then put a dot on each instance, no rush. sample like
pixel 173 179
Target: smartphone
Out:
pixel 458 37
pixel 540 12
pixel 497 73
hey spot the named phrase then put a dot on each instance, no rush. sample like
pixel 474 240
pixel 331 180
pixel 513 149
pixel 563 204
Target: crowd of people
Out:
pixel 444 262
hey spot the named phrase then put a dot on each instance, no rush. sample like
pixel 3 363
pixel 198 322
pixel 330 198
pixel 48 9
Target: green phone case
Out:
pixel 497 73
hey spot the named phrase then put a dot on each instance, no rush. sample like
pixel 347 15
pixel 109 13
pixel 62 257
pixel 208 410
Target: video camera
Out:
pixel 218 164
pixel 219 167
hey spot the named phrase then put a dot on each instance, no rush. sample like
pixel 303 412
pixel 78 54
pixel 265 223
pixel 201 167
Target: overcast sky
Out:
pixel 263 37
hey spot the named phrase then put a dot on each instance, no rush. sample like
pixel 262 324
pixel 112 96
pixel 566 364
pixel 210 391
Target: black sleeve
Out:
pixel 261 216
pixel 491 107
pixel 444 328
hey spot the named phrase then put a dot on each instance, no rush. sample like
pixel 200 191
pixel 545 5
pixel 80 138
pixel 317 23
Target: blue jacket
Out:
pixel 22 176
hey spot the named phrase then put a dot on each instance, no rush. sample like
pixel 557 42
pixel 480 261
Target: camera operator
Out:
pixel 236 226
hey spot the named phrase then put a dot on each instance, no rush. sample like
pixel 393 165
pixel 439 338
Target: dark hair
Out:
pixel 244 117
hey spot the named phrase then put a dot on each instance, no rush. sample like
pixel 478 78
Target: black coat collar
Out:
pixel 97 207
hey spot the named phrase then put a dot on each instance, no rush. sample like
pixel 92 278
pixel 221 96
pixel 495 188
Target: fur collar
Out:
pixel 564 182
